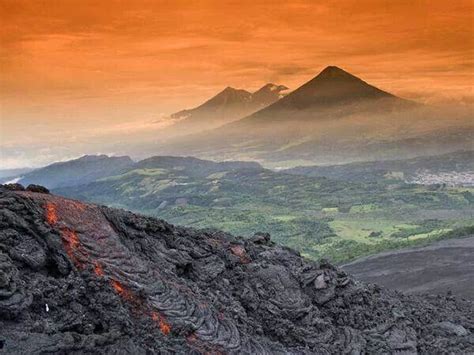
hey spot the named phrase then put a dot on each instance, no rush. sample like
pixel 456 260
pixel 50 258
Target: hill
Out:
pixel 10 174
pixel 80 278
pixel 455 169
pixel 194 167
pixel 320 217
pixel 78 171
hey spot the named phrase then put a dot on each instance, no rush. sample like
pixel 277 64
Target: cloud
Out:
pixel 78 63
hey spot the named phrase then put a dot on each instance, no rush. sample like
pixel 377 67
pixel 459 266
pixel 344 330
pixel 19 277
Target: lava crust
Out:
pixel 78 278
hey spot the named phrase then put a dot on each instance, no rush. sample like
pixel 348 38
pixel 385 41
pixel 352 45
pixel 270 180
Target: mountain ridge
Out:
pixel 81 170
pixel 334 117
pixel 226 106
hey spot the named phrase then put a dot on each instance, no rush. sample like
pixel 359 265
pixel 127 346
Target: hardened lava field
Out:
pixel 78 278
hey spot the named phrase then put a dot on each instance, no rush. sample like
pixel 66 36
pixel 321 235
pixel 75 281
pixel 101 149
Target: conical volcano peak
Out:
pixel 333 87
pixel 333 72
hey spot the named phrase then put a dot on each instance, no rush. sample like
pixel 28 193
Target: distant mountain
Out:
pixel 332 88
pixel 227 106
pixel 194 167
pixel 9 174
pixel 164 181
pixel 267 95
pixel 78 171
pixel 229 101
pixel 334 118
pixel 455 168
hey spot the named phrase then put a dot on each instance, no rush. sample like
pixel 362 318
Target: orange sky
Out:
pixel 69 66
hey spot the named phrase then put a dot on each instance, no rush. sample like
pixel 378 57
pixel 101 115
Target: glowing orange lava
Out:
pixel 51 215
pixel 98 269
pixel 71 244
pixel 124 292
pixel 158 319
pixel 58 212
pixel 117 286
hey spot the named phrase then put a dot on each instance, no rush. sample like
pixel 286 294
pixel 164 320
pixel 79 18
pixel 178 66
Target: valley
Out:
pixel 319 216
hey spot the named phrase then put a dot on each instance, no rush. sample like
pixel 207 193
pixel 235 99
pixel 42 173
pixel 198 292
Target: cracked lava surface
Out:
pixel 116 282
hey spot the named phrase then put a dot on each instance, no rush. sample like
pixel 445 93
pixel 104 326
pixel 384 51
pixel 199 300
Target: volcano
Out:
pixel 223 103
pixel 80 278
pixel 334 118
pixel 227 106
pixel 333 86
pixel 332 93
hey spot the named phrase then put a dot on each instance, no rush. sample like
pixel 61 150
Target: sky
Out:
pixel 76 69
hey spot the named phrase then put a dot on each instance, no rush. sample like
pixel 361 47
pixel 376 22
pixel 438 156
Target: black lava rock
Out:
pixel 78 278
pixel 37 188
pixel 13 187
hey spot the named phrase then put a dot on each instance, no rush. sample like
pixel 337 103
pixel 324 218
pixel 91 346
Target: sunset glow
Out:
pixel 73 69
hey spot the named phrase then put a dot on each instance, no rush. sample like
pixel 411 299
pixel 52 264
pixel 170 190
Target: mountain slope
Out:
pixel 429 269
pixel 194 167
pixel 455 168
pixel 224 103
pixel 79 278
pixel 77 171
pixel 10 174
pixel 267 95
pixel 227 106
pixel 333 118
pixel 332 87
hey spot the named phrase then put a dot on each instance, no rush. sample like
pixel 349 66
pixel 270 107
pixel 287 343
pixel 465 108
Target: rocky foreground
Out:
pixel 78 278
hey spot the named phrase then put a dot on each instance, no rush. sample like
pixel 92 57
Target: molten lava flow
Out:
pixel 63 215
pixel 71 244
pixel 164 326
pixel 51 215
pixel 139 306
pixel 69 237
pixel 124 292
pixel 98 269
pixel 117 286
